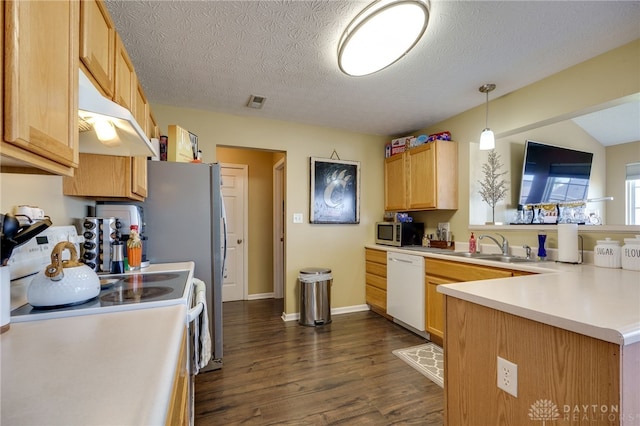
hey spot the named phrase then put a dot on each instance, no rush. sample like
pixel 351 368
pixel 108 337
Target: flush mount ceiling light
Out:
pixel 381 34
pixel 487 139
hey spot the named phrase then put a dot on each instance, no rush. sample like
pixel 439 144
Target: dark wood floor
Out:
pixel 277 372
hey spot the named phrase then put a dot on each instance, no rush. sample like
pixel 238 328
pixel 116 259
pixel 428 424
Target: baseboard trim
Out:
pixel 259 296
pixel 335 311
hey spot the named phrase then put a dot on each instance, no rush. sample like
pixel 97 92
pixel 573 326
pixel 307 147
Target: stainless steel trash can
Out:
pixel 315 296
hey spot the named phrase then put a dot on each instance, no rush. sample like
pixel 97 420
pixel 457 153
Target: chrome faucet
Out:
pixel 504 246
pixel 527 251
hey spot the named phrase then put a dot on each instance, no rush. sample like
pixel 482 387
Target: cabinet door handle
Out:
pixel 393 259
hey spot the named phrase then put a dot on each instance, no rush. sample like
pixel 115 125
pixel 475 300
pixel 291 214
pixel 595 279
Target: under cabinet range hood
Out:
pixel 108 128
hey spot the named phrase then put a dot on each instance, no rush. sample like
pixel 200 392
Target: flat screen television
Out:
pixel 553 174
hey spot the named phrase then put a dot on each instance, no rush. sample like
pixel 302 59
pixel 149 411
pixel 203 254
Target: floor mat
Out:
pixel 427 359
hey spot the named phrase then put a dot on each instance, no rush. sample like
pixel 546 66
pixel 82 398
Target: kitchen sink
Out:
pixel 469 255
pixel 427 249
pixel 507 259
pixel 494 257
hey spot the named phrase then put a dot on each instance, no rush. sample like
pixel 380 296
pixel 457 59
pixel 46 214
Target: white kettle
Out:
pixel 63 282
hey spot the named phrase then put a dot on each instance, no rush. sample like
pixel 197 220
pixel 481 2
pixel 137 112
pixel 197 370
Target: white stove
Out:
pixel 152 287
pixel 146 288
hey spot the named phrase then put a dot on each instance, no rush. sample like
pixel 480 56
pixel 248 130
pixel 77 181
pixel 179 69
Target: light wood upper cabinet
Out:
pixel 139 176
pixel 395 183
pixel 153 131
pixel 125 83
pixel 2 78
pixel 140 108
pixel 423 178
pixel 108 177
pixel 97 45
pixel 40 127
pixel 106 59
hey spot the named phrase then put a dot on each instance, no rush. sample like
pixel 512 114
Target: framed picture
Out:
pixel 335 191
pixel 194 144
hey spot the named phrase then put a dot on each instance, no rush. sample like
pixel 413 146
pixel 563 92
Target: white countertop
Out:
pixel 113 368
pixel 106 369
pixel 598 302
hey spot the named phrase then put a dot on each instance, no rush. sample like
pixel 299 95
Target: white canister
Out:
pixel 631 254
pixel 607 254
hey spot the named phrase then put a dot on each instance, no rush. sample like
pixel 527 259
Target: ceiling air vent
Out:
pixel 256 101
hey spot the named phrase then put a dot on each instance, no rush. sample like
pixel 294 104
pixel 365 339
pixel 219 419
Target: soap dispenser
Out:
pixel 472 244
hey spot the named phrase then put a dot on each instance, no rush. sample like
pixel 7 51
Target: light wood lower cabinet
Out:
pixel 108 177
pixel 435 308
pixel 178 412
pixel 439 272
pixel 564 378
pixel 376 280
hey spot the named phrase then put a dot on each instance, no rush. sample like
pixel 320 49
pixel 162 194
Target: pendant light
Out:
pixel 487 139
pixel 381 34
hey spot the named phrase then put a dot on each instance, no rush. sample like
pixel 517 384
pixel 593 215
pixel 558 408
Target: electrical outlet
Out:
pixel 508 376
pixel 297 218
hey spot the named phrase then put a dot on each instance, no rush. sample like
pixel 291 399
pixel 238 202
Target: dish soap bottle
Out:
pixel 472 244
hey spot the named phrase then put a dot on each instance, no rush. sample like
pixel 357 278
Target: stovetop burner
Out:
pixel 134 295
pixel 148 278
pixel 65 305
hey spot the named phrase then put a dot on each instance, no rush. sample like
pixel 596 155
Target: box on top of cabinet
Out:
pixel 182 145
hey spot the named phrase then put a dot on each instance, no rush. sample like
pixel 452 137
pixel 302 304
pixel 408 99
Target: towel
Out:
pixel 202 344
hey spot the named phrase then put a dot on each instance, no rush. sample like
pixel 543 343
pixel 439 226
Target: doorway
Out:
pixel 279 214
pixel 234 194
pixel 258 241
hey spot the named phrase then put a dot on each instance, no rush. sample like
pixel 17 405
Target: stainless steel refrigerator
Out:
pixel 185 221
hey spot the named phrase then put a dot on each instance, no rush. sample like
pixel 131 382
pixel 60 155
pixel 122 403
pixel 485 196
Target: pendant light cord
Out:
pixel 486 118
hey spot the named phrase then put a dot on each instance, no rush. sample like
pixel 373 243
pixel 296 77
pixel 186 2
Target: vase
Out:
pixel 542 252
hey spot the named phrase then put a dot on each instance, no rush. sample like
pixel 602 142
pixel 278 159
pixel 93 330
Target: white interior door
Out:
pixel 234 193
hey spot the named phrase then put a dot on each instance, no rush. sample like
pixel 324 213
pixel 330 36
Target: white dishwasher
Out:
pixel 405 289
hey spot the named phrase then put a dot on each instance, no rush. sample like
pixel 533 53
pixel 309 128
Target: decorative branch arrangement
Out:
pixel 493 188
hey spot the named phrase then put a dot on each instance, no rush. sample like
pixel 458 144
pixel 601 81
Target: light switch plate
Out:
pixel 297 218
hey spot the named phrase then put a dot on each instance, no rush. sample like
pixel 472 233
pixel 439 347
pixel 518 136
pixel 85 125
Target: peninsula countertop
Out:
pixel 598 302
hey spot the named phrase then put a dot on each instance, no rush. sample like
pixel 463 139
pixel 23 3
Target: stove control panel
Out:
pixel 34 255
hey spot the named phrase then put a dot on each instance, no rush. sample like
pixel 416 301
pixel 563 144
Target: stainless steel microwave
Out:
pixel 399 234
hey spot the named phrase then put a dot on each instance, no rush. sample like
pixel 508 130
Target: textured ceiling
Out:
pixel 213 55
